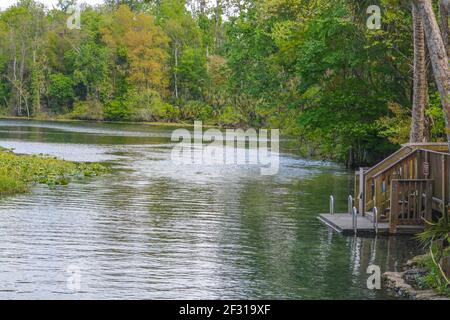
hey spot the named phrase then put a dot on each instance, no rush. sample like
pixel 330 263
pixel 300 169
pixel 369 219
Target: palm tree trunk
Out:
pixel 420 91
pixel 443 10
pixel 438 55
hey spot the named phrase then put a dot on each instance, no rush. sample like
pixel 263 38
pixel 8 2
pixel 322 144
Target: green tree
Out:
pixel 88 65
pixel 60 92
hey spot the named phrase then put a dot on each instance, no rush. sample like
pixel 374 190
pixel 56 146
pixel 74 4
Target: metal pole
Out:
pixel 350 204
pixel 355 220
pixel 375 219
pixel 331 205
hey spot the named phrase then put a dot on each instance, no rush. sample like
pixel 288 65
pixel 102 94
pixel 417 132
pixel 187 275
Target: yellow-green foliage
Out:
pixel 18 172
pixel 397 126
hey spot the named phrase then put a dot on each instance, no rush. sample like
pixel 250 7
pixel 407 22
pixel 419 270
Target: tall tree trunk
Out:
pixel 35 86
pixel 443 10
pixel 420 94
pixel 218 21
pixel 438 55
pixel 202 6
pixel 175 73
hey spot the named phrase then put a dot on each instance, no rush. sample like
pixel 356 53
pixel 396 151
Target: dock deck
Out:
pixel 343 223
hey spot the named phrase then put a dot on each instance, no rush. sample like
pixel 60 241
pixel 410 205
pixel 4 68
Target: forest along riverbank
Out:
pixel 154 230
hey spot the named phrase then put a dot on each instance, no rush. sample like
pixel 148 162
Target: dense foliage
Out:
pixel 311 68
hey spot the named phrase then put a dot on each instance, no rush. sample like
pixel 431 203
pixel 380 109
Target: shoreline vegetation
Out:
pixel 18 173
pixel 264 64
pixel 66 119
pixel 420 279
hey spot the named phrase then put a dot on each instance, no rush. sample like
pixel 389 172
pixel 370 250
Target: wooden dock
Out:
pixel 343 223
pixel 397 195
pixel 407 188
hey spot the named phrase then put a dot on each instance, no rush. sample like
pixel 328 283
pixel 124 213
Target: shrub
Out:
pixel 229 116
pixel 117 110
pixel 196 110
pixel 171 113
pixel 87 110
pixel 149 106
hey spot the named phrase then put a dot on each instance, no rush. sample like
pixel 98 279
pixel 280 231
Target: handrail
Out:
pixel 412 180
pixel 396 163
pixel 390 157
pixel 375 219
pixel 350 204
pixel 436 152
pixel 406 156
pixel 421 144
pixel 355 220
pixel 331 204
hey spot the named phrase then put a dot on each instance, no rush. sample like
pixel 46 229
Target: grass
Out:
pixel 19 172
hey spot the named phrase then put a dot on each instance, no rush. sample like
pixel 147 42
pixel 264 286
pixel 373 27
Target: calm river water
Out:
pixel 155 230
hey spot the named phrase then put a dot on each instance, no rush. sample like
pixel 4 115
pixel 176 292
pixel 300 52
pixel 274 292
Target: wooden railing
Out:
pixel 380 190
pixel 439 172
pixel 411 203
pixel 374 187
pixel 363 178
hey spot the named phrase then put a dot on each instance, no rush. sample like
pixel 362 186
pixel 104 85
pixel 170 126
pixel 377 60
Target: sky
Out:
pixel 7 3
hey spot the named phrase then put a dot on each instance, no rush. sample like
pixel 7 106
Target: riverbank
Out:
pixel 418 281
pixel 291 143
pixel 19 172
pixel 71 120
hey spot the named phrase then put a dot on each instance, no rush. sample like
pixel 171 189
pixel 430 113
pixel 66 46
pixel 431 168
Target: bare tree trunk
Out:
pixel 438 55
pixel 35 86
pixel 175 73
pixel 22 76
pixel 207 59
pixel 202 6
pixel 16 102
pixel 218 20
pixel 420 94
pixel 443 10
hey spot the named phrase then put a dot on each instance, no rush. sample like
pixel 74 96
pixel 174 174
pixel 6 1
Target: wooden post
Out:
pixel 444 187
pixel 362 189
pixel 422 189
pixel 393 218
pixel 357 191
pixel 429 200
pixel 419 167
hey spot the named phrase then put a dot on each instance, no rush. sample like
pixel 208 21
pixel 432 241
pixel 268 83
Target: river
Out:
pixel 155 230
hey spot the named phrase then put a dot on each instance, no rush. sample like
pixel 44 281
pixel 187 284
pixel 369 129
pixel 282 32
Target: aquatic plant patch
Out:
pixel 19 172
